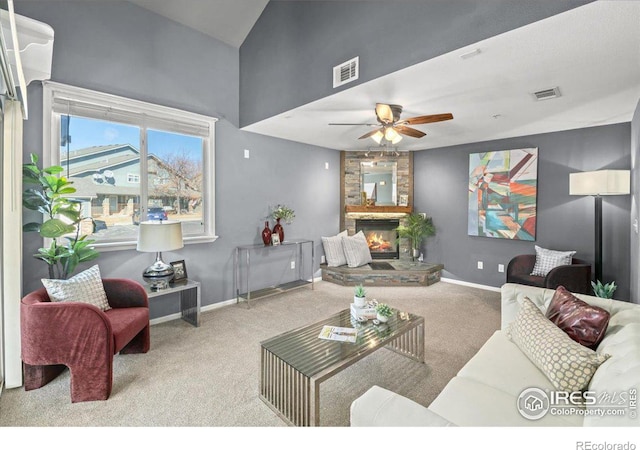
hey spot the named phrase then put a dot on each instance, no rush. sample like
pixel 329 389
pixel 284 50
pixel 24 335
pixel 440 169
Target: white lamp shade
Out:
pixel 377 136
pixel 159 236
pixel 600 182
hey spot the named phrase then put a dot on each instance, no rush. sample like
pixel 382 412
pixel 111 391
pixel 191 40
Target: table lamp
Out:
pixel 597 184
pixel 159 237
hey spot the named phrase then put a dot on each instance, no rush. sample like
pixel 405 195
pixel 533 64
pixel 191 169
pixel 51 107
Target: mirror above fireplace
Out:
pixel 379 180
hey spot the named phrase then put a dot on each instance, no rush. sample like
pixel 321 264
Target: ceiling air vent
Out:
pixel 346 72
pixel 547 94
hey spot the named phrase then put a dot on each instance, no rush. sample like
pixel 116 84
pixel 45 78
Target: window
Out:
pixel 126 156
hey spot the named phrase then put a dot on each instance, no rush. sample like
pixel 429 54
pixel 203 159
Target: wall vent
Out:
pixel 346 72
pixel 547 94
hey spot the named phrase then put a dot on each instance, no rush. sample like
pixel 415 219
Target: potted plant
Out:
pixel 63 217
pixel 604 290
pixel 383 312
pixel 282 212
pixel 415 229
pixel 359 296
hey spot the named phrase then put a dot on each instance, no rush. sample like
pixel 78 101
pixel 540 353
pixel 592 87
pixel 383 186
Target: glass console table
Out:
pixel 242 262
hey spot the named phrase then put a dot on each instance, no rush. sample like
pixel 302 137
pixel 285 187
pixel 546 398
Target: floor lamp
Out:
pixel 597 184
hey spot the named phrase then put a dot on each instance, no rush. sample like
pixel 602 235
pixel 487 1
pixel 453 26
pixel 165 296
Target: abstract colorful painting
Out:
pixel 502 194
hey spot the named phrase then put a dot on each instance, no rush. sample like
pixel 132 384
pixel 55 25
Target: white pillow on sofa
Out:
pixel 549 259
pixel 568 365
pixel 333 250
pixel 356 250
pixel 85 287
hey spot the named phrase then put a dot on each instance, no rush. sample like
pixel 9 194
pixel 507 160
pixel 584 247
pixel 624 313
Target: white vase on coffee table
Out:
pixel 381 318
pixel 359 301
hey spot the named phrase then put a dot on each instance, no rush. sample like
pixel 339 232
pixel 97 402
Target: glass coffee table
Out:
pixel 294 363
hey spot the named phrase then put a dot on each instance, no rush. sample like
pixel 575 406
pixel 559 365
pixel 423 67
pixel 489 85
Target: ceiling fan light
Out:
pixel 377 136
pixel 397 139
pixel 390 134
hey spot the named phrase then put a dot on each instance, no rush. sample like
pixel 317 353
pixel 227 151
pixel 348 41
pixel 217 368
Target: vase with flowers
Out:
pixel 284 213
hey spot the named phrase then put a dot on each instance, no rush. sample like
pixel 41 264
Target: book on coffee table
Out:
pixel 338 333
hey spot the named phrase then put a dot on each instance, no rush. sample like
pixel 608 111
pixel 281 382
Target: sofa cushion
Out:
pixel 85 287
pixel 548 259
pixel 356 250
pixel 126 323
pixel 499 356
pixel 568 365
pixel 469 403
pixel 333 250
pixel 584 323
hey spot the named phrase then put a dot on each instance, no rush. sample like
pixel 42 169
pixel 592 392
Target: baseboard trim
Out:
pixel 211 307
pixel 474 285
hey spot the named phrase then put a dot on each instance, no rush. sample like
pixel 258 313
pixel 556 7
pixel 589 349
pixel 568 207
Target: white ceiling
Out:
pixel 226 20
pixel 592 53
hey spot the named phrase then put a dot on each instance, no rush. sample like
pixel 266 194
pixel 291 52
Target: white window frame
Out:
pixel 144 115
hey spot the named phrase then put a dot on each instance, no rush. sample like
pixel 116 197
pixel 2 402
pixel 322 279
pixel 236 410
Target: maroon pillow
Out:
pixel 584 323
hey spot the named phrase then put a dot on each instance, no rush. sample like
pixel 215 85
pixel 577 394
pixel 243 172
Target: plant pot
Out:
pixel 359 301
pixel 381 318
pixel 415 253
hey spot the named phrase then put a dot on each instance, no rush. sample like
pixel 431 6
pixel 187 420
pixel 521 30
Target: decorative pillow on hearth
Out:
pixel 85 287
pixel 549 259
pixel 333 250
pixel 568 365
pixel 584 323
pixel 356 250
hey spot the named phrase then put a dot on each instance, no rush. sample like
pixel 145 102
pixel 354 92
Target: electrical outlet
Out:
pixel 246 153
pixel 480 265
pixel 500 268
pixel 326 165
pixel 293 264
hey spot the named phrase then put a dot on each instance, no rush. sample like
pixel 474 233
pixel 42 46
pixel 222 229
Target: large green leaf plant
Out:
pixel 415 229
pixel 61 225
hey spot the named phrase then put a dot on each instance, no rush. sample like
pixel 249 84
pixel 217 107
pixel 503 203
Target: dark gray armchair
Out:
pixel 575 277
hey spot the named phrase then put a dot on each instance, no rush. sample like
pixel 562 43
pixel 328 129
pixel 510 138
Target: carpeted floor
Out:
pixel 208 376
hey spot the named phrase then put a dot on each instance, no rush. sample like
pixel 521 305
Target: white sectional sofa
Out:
pixel 485 392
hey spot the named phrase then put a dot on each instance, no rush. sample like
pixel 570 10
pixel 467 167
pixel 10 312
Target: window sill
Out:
pixel 131 245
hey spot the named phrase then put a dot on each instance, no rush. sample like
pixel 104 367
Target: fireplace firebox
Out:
pixel 381 236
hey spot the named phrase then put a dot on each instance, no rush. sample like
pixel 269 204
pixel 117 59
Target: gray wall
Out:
pixel 564 222
pixel 287 59
pixel 119 48
pixel 634 265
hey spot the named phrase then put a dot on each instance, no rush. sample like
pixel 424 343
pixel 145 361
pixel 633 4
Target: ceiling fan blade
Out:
pixel 426 119
pixel 384 113
pixel 370 133
pixel 358 124
pixel 409 131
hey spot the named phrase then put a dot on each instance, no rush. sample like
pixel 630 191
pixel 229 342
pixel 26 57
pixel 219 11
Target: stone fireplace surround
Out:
pixel 405 272
pixel 350 199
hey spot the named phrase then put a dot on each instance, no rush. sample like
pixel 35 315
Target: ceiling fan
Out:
pixel 391 127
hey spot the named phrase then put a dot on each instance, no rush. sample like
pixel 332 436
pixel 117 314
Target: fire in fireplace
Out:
pixel 381 236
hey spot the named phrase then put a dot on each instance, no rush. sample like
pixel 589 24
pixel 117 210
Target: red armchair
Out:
pixel 575 277
pixel 82 337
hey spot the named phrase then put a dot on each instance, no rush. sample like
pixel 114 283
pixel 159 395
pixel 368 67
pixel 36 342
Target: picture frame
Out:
pixel 179 271
pixel 404 200
pixel 275 239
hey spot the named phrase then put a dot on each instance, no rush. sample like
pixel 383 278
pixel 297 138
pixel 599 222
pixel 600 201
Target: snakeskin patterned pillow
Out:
pixel 568 365
pixel 85 287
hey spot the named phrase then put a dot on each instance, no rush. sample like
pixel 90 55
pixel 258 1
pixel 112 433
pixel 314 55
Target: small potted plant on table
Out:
pixel 359 296
pixel 383 312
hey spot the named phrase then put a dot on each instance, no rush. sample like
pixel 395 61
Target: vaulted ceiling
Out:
pixel 590 53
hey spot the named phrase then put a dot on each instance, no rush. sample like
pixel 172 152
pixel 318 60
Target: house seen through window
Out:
pixel 127 168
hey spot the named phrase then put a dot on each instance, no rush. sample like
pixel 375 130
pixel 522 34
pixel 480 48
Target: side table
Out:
pixel 189 299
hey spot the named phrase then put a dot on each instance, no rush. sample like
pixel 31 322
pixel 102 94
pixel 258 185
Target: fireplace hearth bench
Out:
pixel 401 273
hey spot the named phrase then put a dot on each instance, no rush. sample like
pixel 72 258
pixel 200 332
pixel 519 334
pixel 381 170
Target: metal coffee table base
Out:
pixel 295 397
